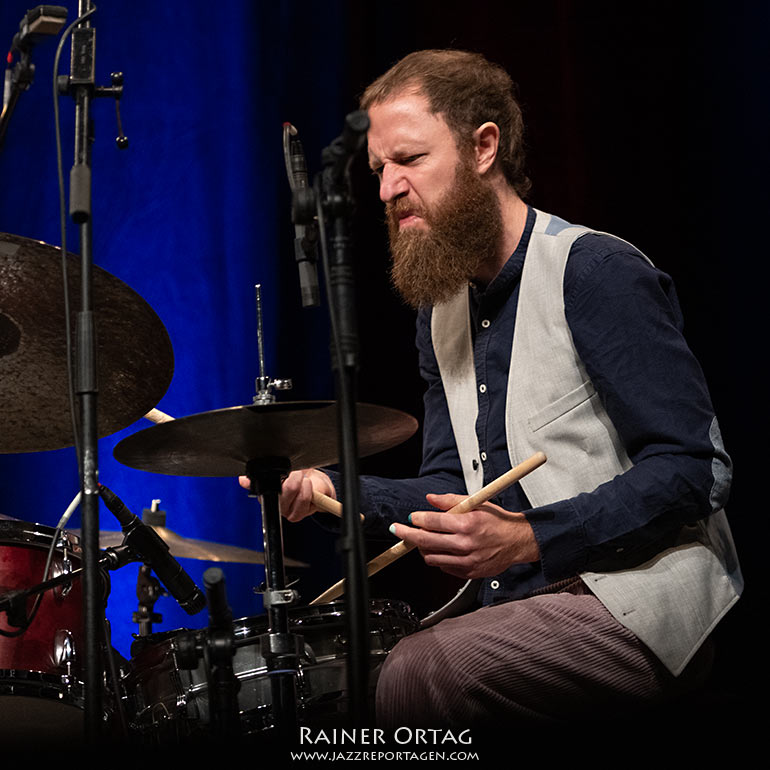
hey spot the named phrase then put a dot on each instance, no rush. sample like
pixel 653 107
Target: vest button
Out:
pixel 485 323
pixel 483 388
pixel 483 457
pixel 494 585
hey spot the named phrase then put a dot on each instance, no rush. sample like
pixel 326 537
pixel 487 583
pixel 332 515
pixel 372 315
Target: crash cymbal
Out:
pixel 185 548
pixel 135 361
pixel 220 443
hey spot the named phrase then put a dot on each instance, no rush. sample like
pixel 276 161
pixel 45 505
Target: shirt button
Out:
pixel 485 323
pixel 494 585
pixel 483 388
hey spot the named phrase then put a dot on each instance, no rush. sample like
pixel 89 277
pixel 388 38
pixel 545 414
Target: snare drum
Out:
pixel 40 692
pixel 171 703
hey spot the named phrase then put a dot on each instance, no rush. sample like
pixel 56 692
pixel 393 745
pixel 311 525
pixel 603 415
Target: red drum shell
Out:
pixel 23 552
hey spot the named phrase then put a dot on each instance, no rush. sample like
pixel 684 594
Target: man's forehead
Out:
pixel 401 121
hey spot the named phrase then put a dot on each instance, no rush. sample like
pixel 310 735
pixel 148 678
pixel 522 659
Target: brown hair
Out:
pixel 467 90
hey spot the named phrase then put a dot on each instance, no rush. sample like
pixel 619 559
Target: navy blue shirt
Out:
pixel 627 328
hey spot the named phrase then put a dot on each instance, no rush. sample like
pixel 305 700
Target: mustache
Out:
pixel 401 206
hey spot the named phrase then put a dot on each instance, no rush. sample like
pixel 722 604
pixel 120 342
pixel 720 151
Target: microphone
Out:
pixel 305 236
pixel 339 154
pixel 220 615
pixel 37 24
pixel 151 548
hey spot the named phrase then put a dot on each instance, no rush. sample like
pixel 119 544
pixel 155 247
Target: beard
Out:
pixel 465 229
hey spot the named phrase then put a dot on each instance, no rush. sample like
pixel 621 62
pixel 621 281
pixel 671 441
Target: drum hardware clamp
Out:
pixel 278 597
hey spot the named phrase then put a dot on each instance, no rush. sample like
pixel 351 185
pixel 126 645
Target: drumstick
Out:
pixel 328 504
pixel 468 504
pixel 156 416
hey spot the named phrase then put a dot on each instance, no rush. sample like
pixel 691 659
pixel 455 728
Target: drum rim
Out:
pixel 308 613
pixel 31 533
pixel 15 682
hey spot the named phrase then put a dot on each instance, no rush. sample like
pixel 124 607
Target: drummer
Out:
pixel 604 570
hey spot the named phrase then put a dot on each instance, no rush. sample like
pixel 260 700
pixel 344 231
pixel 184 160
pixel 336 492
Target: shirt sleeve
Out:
pixel 627 328
pixel 385 501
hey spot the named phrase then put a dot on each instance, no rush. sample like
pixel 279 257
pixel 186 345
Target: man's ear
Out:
pixel 487 140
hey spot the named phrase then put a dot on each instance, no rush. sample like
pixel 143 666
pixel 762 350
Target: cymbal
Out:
pixel 135 360
pixel 221 442
pixel 185 548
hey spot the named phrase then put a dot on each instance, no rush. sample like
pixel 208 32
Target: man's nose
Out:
pixel 393 184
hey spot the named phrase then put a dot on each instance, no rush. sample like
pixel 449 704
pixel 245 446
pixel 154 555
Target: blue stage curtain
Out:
pixel 191 216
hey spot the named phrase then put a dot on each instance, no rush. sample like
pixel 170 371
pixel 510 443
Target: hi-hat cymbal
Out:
pixel 135 360
pixel 221 442
pixel 185 548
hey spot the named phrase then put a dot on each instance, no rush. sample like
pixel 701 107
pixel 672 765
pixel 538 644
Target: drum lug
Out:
pixel 64 656
pixel 63 568
pixel 64 648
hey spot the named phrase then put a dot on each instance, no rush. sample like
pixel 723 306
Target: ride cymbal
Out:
pixel 135 360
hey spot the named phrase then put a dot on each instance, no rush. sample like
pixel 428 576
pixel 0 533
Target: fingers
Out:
pixel 297 493
pixel 296 501
pixel 464 523
pixel 479 543
pixel 445 501
pixel 432 531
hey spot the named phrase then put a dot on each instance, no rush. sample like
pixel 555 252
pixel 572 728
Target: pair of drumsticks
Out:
pixel 470 503
pixel 329 505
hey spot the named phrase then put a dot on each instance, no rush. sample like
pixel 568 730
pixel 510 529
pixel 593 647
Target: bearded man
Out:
pixel 605 570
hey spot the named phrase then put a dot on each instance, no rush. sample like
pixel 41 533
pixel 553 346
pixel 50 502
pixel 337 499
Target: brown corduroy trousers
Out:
pixel 552 657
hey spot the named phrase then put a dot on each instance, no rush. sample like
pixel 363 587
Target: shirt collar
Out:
pixel 510 274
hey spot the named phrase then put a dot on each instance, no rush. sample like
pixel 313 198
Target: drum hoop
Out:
pixel 247 629
pixel 28 533
pixel 36 684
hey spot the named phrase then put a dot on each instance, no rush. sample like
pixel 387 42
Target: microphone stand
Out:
pixel 81 86
pixel 333 200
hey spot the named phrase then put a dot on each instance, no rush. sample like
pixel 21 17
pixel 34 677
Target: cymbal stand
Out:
pixel 279 647
pixel 264 385
pixel 148 587
pixel 148 591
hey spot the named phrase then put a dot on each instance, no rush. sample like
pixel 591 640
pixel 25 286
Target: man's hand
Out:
pixel 477 544
pixel 296 499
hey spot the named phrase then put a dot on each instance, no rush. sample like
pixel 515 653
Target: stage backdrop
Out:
pixel 191 216
pixel 648 121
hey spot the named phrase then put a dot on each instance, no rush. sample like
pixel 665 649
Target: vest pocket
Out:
pixel 561 406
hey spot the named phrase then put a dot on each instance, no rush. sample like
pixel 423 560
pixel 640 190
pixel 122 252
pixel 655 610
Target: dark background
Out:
pixel 645 120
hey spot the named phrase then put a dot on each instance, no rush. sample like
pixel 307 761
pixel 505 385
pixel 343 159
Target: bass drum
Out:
pixel 40 689
pixel 168 703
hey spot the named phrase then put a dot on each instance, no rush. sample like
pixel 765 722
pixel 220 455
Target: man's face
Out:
pixel 414 155
pixel 443 218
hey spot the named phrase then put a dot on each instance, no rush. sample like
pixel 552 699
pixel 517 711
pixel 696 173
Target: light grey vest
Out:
pixel 671 602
